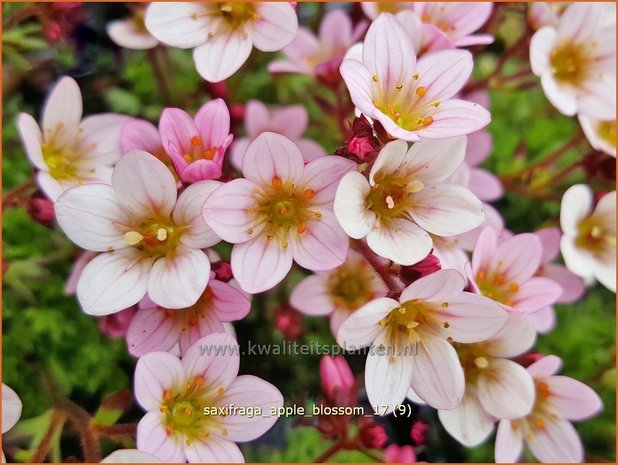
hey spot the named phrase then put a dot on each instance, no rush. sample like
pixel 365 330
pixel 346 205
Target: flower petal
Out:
pixel 572 399
pixel 276 27
pixel 188 213
pixel 468 422
pixel 178 24
pixel 391 158
pixel 63 107
pixel 124 33
pixel 138 134
pixel 151 330
pixel 323 175
pixel 509 442
pixel 576 205
pixel 443 73
pixel 535 294
pixel 311 296
pixel 153 439
pixel 32 139
pixel 442 285
pixel 516 337
pixel 401 241
pixel 229 304
pixel 213 123
pixel 349 205
pixel 573 286
pixel 130 456
pixel 216 358
pixel 358 81
pixel 518 257
pixel 222 55
pixel 11 408
pixel 214 450
pixel 545 367
pixel 541 45
pixel 362 328
pixel 434 161
pixel 454 117
pixel 100 137
pixel 155 373
pixel 556 442
pixel 271 156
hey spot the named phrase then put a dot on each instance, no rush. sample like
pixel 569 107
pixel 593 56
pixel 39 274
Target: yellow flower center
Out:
pixel 569 63
pixel 155 237
pixel 59 161
pixel 390 197
pixel 402 321
pixel 607 131
pixel 350 286
pixel 474 359
pixel 496 287
pixel 594 236
pixel 237 13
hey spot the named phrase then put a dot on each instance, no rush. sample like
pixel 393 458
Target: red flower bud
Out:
pixel 289 322
pixel 427 265
pixel 418 433
pixel 371 434
pixel 338 383
pixel 222 270
pixel 41 209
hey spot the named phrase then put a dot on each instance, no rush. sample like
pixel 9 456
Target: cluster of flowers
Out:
pixel 403 247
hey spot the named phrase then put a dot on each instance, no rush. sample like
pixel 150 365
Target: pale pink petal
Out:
pixel 438 377
pixel 214 450
pixel 573 286
pixel 124 33
pixel 443 74
pixel 467 17
pixel 310 149
pixel 358 81
pixel 276 27
pixel 144 185
pixel 485 185
pixel 323 175
pixel 580 22
pixel 51 187
pixel 336 29
pixel 572 399
pixel 100 137
pixel 213 123
pixel 178 280
pixel 544 320
pixel 505 389
pixel 250 391
pixel 556 442
pixel 11 408
pixel 62 107
pixel 545 367
pixel 260 264
pixel 468 422
pixel 413 396
pixel 91 217
pixel 550 241
pixel 392 158
pixel 188 213
pixel 177 129
pixel 70 286
pixel 130 456
pixel 484 250
pixel 518 258
pixel 210 324
pixel 480 144
pixel 349 206
pixel 178 24
pixel 598 96
pixel 535 294
pixel 229 304
pixel 113 281
pixel 576 204
pixel 284 66
pixel 152 438
pixel 311 296
pixel 237 152
pixel 272 156
pixel 258 118
pixel 387 376
pixel 222 55
pixel 475 39
pixel 434 161
pixel 516 337
pixel 434 39
pixel 139 134
pixel 362 327
pixel 337 318
pixel 32 139
pixel 225 211
pixel 541 45
pixel 154 374
pixel 442 285
pixel 446 209
pixel 216 358
pixel 455 117
pixel 509 442
pixel 564 101
pixel 401 241
pixel 151 330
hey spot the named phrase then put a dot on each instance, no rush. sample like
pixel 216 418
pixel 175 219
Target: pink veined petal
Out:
pixel 541 45
pixel 62 107
pixel 100 137
pixel 271 156
pixel 113 281
pixel 229 304
pixel 258 118
pixel 11 408
pixel 455 118
pixel 284 66
pixel 290 121
pixel 237 152
pixel 276 27
pixel 387 376
pixel 475 39
pixel 516 337
pixel 466 18
pixel 311 296
pixel 438 377
pixel 550 241
pixel 480 145
pixel 580 22
pixel 435 39
pixel 545 367
pixel 576 204
pixel 138 134
pixel 144 185
pixel 484 250
pixel 213 123
pixel 179 280
pixel 216 358
pixel 401 241
pixel 130 456
pixel 31 137
pixel 225 211
pixel 310 149
pixel 181 25
pixel 556 442
pixel 572 399
pixel 413 397
pixel 177 129
pixel 563 99
pixel 322 246
pixel 414 27
pixel 535 294
pixel 573 286
pixel 544 320
pixel 323 175
pixel 598 96
pixel 362 327
pixel 434 161
pixel 446 209
pixel 442 285
pixel 518 258
pixel 509 442
pixel 222 55
pixel 213 450
pixel 91 217
pixel 506 389
pixel 358 81
pixel 210 324
pixel 124 33
pixel 349 206
pixel 470 318
pixel 468 423
pixel 336 29
pixel 250 391
pixel 260 264
pixel 188 213
pixel 151 330
pixel 443 74
pixel 154 374
pixel 391 158
pixel 153 439
pixel 485 185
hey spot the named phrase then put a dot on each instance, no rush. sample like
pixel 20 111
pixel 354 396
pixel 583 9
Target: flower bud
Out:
pixel 427 265
pixel 418 433
pixel 337 381
pixel 117 324
pixel 41 209
pixel 222 271
pixel 399 454
pixel 371 434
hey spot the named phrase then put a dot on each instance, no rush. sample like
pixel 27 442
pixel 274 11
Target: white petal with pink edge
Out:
pixel 468 422
pixel 401 241
pixel 153 439
pixel 362 327
pixel 271 156
pixel 222 55
pixel 216 358
pixel 154 374
pixel 509 442
pixel 188 212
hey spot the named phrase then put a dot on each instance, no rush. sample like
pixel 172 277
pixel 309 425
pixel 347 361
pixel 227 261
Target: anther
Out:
pixel 390 203
pixel 427 120
pixel 301 228
pixel 421 91
pixel 481 362
pixel 196 141
pixel 309 194
pixel 375 78
pixel 276 182
pixel 133 237
pixel 161 234
pixel 399 86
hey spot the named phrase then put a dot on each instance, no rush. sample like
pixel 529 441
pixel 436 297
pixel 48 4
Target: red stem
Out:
pixel 390 281
pixel 331 451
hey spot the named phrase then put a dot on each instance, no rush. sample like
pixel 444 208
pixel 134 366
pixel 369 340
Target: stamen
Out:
pixel 499 279
pixel 167 395
pixel 415 77
pixel 513 287
pixel 276 182
pixel 301 228
pixel 390 203
pixel 221 390
pixel 436 104
pixel 375 78
pixel 421 91
pixel 414 186
pixel 427 120
pixel 169 430
pixel 161 234
pixel 186 157
pixel 133 237
pixel 198 381
pixel 196 141
pixel 481 362
pixel 399 86
pixel 309 194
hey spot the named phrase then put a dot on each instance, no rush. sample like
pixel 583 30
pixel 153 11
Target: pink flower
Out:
pixel 409 339
pixel 131 32
pixel 11 410
pixel 338 383
pixel 406 198
pixel 504 271
pixel 150 239
pixel 139 134
pixel 495 386
pixel 117 324
pixel 289 121
pixel 130 456
pixel 374 9
pixel 69 150
pixel 320 56
pixel 576 62
pixel 425 37
pixel 282 212
pixel 545 13
pixel 458 20
pixel 183 398
pixel 546 430
pixel 196 147
pixel 588 244
pixel 419 431
pixel 222 34
pixel 339 292
pixel 399 454
pixel 600 133
pixel 155 328
pixel 411 99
